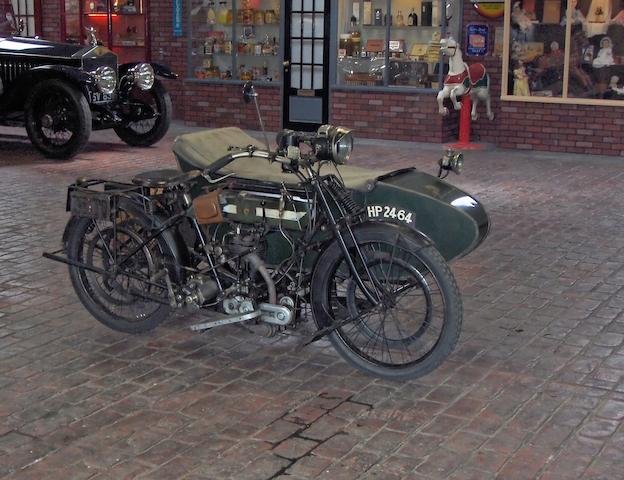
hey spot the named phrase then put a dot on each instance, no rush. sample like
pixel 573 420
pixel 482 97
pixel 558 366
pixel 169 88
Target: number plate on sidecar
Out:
pixel 96 205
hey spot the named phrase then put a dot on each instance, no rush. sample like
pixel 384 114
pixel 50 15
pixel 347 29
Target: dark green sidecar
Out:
pixel 448 217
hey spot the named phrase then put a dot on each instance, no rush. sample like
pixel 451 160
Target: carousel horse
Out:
pixel 463 79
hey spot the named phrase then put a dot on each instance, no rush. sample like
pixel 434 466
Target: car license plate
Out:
pixel 99 97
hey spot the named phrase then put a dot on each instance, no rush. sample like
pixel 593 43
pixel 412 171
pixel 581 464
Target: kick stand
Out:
pixel 464 128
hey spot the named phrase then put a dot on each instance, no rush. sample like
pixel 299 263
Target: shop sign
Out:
pixel 489 8
pixel 177 18
pixel 477 36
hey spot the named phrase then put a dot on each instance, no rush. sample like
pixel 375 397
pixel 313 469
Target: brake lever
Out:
pixel 210 180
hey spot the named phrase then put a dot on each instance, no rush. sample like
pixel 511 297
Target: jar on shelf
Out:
pixel 223 13
pixel 269 16
pixel 258 17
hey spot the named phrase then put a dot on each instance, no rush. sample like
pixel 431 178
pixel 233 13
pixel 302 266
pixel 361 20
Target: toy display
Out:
pixel 539 47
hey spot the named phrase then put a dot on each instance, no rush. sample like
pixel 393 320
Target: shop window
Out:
pixel 28 11
pixel 235 40
pixel 393 43
pixel 564 51
pixel 72 31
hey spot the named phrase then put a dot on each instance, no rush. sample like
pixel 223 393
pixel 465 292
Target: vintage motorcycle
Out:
pixel 266 237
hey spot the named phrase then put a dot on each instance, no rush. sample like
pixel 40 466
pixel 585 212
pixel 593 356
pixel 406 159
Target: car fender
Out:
pixel 160 70
pixel 80 79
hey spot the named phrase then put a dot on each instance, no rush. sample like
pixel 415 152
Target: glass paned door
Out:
pixel 27 11
pixel 306 61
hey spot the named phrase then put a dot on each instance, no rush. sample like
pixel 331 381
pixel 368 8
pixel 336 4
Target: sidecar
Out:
pixel 449 218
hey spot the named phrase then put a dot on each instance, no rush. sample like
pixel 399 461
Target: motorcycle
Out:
pixel 264 237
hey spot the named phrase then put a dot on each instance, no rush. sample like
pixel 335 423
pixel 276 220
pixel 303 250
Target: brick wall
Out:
pixel 396 116
pixel 221 105
pixel 51 20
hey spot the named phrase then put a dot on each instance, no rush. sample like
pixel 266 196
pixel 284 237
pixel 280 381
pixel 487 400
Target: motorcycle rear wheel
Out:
pixel 123 303
pixel 415 326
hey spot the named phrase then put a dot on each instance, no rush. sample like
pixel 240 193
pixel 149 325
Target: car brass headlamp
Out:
pixel 334 143
pixel 451 162
pixel 142 76
pixel 106 79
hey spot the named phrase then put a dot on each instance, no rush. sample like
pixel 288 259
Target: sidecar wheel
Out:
pixel 123 303
pixel 148 131
pixel 416 325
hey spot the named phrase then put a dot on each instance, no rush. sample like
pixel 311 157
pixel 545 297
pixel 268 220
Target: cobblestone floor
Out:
pixel 534 390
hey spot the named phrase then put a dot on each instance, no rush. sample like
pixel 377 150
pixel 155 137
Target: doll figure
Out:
pixel 613 85
pixel 521 81
pixel 605 54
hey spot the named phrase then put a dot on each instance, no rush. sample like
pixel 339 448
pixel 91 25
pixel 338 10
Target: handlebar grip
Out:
pixel 219 164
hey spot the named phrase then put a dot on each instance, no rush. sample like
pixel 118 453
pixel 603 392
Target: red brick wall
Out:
pixel 221 105
pixel 396 116
pixel 50 20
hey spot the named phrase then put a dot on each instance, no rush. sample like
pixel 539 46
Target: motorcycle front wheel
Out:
pixel 415 321
pixel 122 294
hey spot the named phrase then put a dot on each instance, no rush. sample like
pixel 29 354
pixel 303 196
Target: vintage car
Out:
pixel 60 92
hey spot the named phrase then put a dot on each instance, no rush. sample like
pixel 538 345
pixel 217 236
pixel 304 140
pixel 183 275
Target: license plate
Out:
pixel 99 97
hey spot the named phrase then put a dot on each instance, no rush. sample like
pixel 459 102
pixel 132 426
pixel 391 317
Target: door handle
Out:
pixel 286 65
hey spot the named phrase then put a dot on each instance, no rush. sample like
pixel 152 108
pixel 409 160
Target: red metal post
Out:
pixel 464 120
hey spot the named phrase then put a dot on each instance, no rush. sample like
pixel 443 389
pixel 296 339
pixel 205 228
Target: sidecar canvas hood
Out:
pixel 199 150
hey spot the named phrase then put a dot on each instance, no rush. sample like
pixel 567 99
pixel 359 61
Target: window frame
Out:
pixel 234 30
pixel 564 98
pixel 36 16
pixel 386 88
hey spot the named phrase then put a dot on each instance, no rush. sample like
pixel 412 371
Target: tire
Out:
pixel 144 135
pixel 424 302
pixel 113 299
pixel 58 119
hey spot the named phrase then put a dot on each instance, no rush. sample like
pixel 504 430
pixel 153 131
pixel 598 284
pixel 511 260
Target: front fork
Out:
pixel 374 296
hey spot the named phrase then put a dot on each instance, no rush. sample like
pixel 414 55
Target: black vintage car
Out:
pixel 60 92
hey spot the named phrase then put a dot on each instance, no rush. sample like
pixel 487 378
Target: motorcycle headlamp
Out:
pixel 142 75
pixel 451 161
pixel 105 79
pixel 334 143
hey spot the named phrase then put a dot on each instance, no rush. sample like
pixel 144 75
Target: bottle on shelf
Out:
pixel 356 38
pixel 223 13
pixel 211 16
pixel 412 20
pixel 400 20
pixel 367 17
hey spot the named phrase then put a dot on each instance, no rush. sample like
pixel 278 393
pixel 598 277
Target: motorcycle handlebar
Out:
pixel 249 152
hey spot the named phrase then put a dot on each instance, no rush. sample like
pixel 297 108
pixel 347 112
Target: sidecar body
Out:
pixel 449 218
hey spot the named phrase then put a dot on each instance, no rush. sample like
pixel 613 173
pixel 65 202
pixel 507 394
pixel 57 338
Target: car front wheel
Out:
pixel 147 116
pixel 58 119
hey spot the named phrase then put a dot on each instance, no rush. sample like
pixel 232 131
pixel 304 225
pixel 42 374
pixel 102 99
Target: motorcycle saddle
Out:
pixel 200 149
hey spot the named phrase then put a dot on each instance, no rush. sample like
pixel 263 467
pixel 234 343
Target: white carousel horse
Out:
pixel 463 79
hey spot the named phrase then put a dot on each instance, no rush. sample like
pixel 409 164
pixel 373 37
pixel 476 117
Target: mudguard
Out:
pixel 172 238
pixel 19 90
pixel 452 220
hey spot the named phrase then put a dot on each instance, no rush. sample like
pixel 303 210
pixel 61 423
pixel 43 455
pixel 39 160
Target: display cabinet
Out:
pixel 121 25
pixel 393 43
pixel 564 51
pixel 235 40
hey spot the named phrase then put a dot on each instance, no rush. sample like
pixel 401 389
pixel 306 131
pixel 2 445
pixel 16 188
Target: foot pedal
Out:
pixel 226 321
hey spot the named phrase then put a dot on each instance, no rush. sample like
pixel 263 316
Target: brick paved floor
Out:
pixel 535 389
